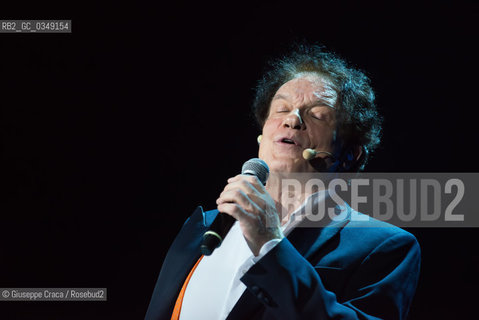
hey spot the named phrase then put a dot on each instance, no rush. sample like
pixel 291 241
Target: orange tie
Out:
pixel 179 300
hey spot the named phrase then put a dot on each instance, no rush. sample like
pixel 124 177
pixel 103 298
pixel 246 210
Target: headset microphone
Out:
pixel 310 154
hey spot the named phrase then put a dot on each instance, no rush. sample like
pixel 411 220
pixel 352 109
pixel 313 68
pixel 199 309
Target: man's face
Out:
pixel 301 116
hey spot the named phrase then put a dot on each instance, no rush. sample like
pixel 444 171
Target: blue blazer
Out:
pixel 347 269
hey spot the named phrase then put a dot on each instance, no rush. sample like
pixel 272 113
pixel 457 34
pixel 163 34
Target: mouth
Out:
pixel 288 141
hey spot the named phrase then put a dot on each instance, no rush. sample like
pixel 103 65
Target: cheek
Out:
pixel 270 125
pixel 324 137
pixel 267 139
pixel 270 129
pixel 264 150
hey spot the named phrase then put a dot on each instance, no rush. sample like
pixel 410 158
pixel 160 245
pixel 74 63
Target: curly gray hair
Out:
pixel 358 122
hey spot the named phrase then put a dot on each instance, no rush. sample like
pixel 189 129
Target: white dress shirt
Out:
pixel 215 286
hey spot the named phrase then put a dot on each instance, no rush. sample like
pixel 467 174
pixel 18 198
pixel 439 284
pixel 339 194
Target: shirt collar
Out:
pixel 309 208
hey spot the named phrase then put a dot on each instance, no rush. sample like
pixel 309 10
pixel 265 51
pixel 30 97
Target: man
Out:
pixel 269 267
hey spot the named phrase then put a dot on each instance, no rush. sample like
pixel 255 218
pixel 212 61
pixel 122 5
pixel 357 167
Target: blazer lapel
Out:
pixel 246 307
pixel 183 254
pixel 308 239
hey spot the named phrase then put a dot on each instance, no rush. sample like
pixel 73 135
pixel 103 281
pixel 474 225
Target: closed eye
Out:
pixel 318 113
pixel 282 109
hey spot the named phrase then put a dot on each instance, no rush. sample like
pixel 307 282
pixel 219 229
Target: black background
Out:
pixel 113 134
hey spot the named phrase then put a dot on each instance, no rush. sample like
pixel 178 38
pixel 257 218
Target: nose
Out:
pixel 294 120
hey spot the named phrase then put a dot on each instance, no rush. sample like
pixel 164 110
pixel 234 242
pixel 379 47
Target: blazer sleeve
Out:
pixel 381 287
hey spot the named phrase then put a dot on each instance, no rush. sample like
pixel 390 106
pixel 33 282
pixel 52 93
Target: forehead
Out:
pixel 309 84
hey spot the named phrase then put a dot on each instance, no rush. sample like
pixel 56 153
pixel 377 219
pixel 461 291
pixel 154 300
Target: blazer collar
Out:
pixel 308 237
pixel 315 228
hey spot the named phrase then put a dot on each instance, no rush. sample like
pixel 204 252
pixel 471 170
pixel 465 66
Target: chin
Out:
pixel 287 165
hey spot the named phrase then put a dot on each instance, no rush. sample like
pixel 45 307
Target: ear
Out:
pixel 352 158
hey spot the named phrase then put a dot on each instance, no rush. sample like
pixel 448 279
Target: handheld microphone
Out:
pixel 223 222
pixel 310 154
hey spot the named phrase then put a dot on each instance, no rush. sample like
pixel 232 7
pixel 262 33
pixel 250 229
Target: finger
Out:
pixel 235 178
pixel 247 203
pixel 248 177
pixel 249 184
pixel 233 210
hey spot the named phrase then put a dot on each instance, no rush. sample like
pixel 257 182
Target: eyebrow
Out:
pixel 279 96
pixel 317 102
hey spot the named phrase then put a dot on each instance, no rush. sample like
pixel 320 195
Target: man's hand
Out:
pixel 246 199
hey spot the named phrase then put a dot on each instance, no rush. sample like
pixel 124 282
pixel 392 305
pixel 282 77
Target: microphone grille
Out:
pixel 256 167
